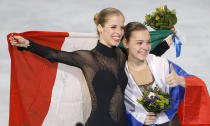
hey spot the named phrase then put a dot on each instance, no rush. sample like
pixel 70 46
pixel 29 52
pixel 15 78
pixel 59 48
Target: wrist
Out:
pixel 169 40
pixel 27 43
pixel 182 81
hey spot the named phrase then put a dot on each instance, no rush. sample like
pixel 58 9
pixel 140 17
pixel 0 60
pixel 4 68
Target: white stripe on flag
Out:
pixel 70 101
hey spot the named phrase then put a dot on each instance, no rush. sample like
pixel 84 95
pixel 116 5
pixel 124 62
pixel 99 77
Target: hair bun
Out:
pixel 96 18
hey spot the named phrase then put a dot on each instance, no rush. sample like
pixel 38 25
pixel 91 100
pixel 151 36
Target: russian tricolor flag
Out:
pixel 191 103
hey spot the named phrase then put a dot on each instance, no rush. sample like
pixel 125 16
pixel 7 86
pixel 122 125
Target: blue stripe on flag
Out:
pixel 178 70
pixel 133 122
pixel 177 93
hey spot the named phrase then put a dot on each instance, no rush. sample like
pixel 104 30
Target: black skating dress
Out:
pixel 103 69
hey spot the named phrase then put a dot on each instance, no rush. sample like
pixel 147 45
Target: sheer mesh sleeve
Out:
pixel 75 58
pixel 160 49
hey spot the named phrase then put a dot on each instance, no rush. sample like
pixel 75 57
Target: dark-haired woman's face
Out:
pixel 112 31
pixel 139 44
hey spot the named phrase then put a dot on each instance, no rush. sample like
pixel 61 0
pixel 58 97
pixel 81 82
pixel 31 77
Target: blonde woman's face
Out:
pixel 139 45
pixel 112 31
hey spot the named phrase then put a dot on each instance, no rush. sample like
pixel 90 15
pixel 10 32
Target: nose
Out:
pixel 119 31
pixel 145 46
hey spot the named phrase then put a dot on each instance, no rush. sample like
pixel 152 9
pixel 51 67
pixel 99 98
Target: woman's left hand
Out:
pixel 173 79
pixel 169 40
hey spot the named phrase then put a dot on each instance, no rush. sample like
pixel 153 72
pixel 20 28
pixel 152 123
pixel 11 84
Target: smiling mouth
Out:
pixel 117 39
pixel 143 53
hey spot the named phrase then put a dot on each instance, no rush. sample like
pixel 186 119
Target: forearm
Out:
pixel 160 49
pixel 42 51
pixel 53 55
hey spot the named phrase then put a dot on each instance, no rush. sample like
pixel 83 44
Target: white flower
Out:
pixel 151 94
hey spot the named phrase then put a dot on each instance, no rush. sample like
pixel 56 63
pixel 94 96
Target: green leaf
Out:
pixel 157 18
pixel 161 18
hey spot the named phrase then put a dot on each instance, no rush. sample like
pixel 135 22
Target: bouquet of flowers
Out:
pixel 155 100
pixel 161 19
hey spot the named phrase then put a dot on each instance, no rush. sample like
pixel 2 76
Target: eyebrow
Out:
pixel 139 40
pixel 114 25
pixel 143 40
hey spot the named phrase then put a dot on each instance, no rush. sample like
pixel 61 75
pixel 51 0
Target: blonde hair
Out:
pixel 101 17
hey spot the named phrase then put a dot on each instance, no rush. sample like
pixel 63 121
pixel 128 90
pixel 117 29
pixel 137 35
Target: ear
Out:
pixel 125 43
pixel 100 28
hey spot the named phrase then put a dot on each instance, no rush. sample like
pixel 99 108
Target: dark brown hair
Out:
pixel 133 26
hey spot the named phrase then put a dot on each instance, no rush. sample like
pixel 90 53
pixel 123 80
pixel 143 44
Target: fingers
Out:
pixel 13 41
pixel 151 114
pixel 173 29
pixel 169 40
pixel 175 32
pixel 172 85
pixel 170 80
pixel 173 81
pixel 148 122
pixel 19 37
pixel 172 68
pixel 150 118
pixel 16 38
pixel 21 45
pixel 19 41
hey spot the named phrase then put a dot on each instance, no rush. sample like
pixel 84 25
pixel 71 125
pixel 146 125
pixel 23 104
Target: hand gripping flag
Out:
pixel 54 94
pixel 45 93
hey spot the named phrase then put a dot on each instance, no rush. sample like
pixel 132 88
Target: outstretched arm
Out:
pixel 70 58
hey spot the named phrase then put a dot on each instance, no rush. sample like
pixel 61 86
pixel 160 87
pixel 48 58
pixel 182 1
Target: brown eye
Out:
pixel 113 27
pixel 139 43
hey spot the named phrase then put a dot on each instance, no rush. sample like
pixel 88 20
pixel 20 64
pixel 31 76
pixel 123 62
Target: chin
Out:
pixel 115 43
pixel 142 58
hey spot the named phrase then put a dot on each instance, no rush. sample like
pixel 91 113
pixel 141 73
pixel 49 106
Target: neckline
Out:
pixel 103 49
pixel 131 77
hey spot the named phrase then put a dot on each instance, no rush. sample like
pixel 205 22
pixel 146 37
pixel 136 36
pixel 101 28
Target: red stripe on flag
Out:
pixel 195 110
pixel 32 80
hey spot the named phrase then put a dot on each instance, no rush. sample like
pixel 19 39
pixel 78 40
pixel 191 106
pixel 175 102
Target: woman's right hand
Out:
pixel 150 118
pixel 20 43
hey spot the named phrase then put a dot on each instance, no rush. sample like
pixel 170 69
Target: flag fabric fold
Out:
pixel 54 94
pixel 192 102
pixel 45 93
